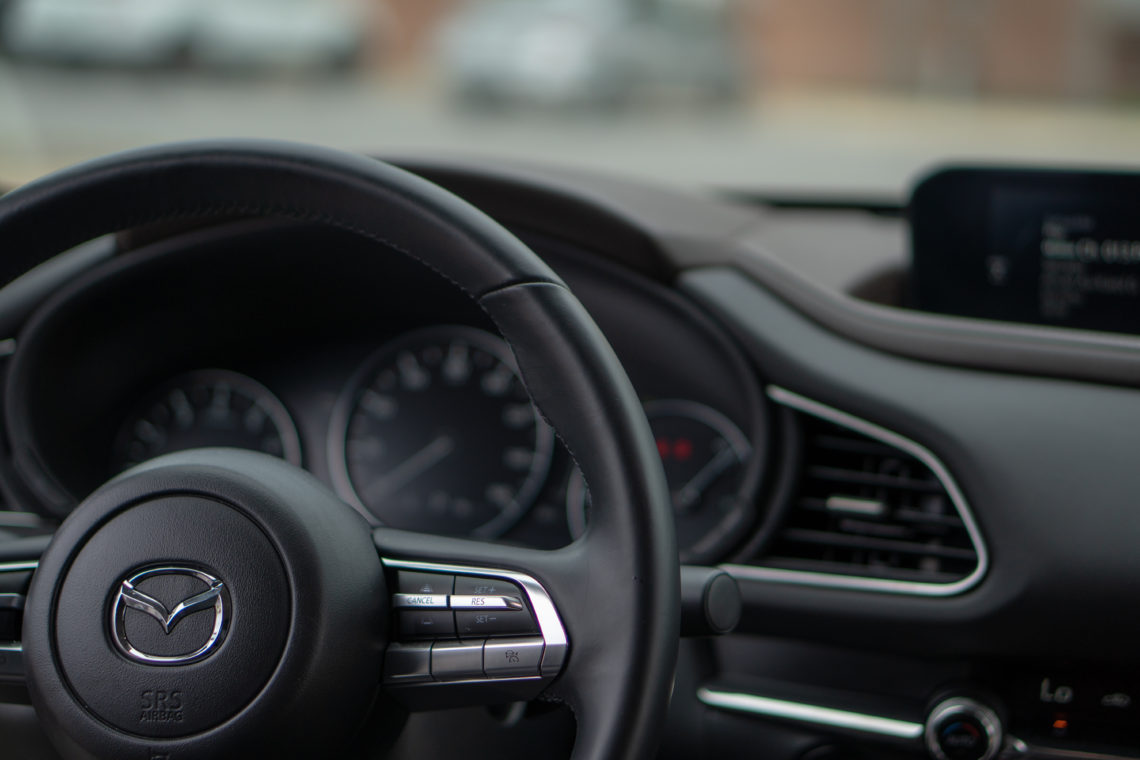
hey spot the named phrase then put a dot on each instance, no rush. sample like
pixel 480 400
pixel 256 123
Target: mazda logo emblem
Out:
pixel 210 598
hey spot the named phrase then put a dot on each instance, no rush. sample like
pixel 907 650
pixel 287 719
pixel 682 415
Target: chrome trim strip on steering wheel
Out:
pixel 549 623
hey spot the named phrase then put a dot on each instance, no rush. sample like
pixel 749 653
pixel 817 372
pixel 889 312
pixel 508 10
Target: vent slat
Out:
pixel 853 445
pixel 872 543
pixel 927 518
pixel 863 508
pixel 914 517
pixel 841 568
pixel 838 475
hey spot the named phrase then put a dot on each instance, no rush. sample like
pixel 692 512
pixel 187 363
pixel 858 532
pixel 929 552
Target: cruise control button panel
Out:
pixel 471 607
pixel 469 635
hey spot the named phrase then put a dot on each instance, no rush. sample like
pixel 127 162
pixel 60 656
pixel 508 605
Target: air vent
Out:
pixel 870 509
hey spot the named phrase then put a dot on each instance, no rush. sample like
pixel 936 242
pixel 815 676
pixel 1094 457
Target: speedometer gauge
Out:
pixel 211 407
pixel 436 433
pixel 704 456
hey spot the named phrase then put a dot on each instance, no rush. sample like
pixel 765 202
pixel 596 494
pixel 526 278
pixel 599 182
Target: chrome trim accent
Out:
pixel 419 601
pixel 481 602
pixel 861 583
pixel 549 623
pixel 128 596
pixel 853 506
pixel 1014 745
pixel 11 661
pixel 967 707
pixel 433 683
pixel 18 567
pixel 12 601
pixel 828 717
pixel 10 518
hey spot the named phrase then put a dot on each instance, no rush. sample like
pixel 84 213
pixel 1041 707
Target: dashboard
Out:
pixel 931 518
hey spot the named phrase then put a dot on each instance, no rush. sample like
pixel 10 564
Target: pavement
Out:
pixel 797 142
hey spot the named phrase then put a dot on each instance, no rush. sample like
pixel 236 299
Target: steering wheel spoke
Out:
pixel 471 623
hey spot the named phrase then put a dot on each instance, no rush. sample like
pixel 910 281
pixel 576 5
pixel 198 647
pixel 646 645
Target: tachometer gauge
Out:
pixel 437 433
pixel 211 407
pixel 704 456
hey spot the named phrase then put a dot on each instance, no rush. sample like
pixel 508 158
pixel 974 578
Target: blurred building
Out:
pixel 1036 48
pixel 1065 48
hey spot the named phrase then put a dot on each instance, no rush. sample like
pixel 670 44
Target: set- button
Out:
pixel 463 660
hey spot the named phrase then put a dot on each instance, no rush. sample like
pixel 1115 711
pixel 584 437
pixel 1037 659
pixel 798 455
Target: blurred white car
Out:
pixel 121 32
pixel 279 33
pixel 249 33
pixel 589 52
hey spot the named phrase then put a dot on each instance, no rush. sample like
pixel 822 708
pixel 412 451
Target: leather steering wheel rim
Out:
pixel 617 586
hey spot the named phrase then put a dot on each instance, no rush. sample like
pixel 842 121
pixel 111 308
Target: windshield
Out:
pixel 802 96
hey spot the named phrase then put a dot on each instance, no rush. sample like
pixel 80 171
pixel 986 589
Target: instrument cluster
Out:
pixel 435 432
pixel 377 378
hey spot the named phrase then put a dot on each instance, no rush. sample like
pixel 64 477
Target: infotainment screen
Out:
pixel 1046 247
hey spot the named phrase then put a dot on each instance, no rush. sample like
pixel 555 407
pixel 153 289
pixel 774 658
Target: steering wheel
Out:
pixel 222 603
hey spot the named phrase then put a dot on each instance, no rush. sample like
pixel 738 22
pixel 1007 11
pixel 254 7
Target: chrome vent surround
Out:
pixel 871 510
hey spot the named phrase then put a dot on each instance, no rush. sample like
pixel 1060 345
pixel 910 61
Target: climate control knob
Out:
pixel 962 729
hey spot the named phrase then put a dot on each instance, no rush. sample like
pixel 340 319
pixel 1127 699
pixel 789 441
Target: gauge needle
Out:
pixel 688 494
pixel 411 468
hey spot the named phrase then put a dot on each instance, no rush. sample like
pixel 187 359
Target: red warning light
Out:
pixel 680 449
pixel 1060 724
